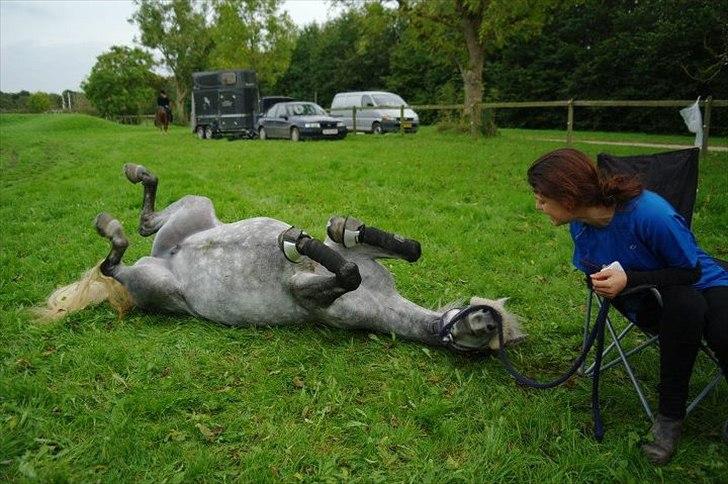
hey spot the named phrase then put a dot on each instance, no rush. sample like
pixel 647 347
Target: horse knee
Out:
pixel 344 230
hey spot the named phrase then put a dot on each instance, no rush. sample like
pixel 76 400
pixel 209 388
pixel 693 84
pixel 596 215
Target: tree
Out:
pixel 252 34
pixel 466 30
pixel 620 49
pixel 179 30
pixel 120 82
pixel 39 102
pixel 351 52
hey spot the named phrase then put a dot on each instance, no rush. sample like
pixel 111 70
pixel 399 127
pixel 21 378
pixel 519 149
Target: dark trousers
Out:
pixel 686 317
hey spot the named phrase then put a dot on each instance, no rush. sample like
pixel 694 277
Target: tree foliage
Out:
pixel 121 81
pixel 464 31
pixel 39 102
pixel 178 29
pixel 252 34
pixel 351 52
pixel 615 49
pixel 620 49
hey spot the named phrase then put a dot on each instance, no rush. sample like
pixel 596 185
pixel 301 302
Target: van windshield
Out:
pixel 306 109
pixel 388 100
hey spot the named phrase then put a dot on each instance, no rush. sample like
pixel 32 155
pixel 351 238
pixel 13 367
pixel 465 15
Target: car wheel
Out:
pixel 262 134
pixel 200 132
pixel 376 128
pixel 295 134
pixel 209 133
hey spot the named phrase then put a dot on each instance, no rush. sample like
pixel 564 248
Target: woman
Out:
pixel 615 219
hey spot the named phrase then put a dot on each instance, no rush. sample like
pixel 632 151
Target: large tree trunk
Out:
pixel 180 102
pixel 472 73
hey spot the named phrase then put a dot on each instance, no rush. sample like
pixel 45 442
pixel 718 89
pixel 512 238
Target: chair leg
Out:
pixel 587 322
pixel 716 379
pixel 634 350
pixel 588 370
pixel 630 373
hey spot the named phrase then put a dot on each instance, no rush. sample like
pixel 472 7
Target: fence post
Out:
pixel 570 123
pixel 353 118
pixel 401 119
pixel 706 127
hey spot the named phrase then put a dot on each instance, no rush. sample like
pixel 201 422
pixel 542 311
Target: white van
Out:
pixel 370 117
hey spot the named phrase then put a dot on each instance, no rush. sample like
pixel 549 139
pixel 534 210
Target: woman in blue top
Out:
pixel 615 219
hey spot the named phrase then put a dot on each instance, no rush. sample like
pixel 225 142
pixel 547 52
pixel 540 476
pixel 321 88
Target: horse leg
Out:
pixel 351 232
pixel 180 219
pixel 148 223
pixel 110 228
pixel 151 285
pixel 321 289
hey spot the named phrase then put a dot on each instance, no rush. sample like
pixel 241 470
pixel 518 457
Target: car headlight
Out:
pixel 312 125
pixel 340 124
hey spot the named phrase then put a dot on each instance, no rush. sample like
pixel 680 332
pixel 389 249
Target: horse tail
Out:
pixel 91 289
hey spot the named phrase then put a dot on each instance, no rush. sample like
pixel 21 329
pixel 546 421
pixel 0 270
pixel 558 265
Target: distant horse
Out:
pixel 261 271
pixel 161 119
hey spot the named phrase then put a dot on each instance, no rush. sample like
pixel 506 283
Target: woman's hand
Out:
pixel 609 282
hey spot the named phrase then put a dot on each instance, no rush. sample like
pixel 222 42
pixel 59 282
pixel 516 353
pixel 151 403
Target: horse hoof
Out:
pixel 106 225
pixel 133 172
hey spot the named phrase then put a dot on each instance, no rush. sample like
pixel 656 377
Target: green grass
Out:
pixel 173 398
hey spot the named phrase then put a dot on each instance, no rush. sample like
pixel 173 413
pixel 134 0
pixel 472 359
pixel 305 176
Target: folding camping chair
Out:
pixel 673 175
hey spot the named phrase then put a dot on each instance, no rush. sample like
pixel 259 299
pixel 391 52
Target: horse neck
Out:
pixel 396 314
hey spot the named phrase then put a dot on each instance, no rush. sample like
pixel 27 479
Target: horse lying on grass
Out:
pixel 261 271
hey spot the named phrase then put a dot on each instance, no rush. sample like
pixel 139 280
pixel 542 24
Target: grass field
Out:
pixel 176 399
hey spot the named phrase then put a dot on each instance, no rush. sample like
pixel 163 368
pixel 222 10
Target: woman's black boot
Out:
pixel 665 432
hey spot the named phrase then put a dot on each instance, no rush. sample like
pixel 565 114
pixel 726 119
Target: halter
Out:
pixel 451 317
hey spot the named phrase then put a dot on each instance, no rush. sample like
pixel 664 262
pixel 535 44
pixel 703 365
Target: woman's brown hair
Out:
pixel 571 178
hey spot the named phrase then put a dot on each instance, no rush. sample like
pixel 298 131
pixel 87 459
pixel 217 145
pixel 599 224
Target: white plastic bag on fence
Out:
pixel 694 121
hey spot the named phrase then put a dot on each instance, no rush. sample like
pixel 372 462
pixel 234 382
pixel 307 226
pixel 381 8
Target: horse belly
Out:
pixel 235 274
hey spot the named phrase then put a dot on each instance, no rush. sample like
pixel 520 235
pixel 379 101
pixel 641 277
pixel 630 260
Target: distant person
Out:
pixel 615 219
pixel 163 101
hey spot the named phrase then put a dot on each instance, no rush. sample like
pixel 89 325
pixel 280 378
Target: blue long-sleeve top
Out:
pixel 646 236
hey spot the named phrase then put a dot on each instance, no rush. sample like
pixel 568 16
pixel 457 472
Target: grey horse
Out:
pixel 262 271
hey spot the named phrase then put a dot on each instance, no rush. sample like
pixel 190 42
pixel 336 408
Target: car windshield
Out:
pixel 388 100
pixel 305 109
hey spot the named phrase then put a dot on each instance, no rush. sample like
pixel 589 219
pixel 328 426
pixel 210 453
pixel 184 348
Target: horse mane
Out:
pixel 91 289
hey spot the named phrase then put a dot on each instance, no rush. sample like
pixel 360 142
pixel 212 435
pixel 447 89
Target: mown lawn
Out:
pixel 176 399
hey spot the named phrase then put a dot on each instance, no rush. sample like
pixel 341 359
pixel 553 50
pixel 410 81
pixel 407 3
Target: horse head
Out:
pixel 475 327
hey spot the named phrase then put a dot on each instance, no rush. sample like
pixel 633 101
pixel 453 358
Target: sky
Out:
pixel 52 45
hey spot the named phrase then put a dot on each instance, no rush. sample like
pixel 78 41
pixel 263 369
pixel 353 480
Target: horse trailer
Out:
pixel 224 103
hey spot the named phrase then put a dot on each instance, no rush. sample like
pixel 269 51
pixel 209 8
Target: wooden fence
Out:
pixel 707 105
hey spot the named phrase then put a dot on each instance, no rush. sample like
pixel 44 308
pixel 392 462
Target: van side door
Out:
pixel 368 114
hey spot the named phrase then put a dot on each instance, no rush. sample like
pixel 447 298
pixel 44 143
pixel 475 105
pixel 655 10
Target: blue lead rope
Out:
pixel 596 335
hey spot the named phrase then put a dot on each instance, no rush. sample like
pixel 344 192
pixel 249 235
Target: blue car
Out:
pixel 298 121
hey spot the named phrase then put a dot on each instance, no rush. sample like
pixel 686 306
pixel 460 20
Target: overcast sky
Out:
pixel 52 45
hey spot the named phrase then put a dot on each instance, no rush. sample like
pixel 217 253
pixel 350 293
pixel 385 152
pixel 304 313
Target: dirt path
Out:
pixel 627 143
